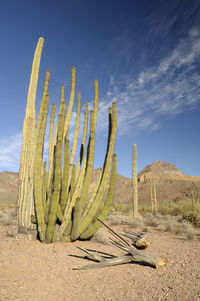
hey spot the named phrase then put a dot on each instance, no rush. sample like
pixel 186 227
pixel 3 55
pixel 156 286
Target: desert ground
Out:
pixel 30 270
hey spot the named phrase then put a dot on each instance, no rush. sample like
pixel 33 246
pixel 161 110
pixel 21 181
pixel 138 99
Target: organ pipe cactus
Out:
pixel 62 207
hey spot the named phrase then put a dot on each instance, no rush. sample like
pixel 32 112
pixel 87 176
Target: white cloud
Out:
pixel 161 91
pixel 10 152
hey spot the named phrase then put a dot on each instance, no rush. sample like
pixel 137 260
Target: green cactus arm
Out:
pixel 78 190
pixel 81 174
pixel 51 146
pixel 65 177
pixel 66 235
pixel 91 200
pixel 38 173
pixel 78 113
pixel 95 109
pixel 62 99
pixel 44 187
pixel 51 160
pixel 94 207
pixel 90 160
pixel 25 195
pixel 71 101
pixel 57 177
pixel 77 193
pixel 73 181
pixel 76 220
pixel 95 227
pixel 59 214
pixel 82 149
pixel 44 93
pixel 73 151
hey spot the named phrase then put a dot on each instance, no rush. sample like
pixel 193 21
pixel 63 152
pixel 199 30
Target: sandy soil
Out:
pixel 30 270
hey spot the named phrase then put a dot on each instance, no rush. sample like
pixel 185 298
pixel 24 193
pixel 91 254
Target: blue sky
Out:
pixel 145 54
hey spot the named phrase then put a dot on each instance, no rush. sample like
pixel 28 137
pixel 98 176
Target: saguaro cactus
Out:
pixel 63 210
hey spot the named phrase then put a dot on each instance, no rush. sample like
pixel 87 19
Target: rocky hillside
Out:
pixel 171 184
pixel 8 188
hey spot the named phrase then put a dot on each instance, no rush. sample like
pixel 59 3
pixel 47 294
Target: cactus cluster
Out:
pixel 58 201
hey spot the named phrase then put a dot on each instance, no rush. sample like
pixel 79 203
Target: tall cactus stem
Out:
pixel 84 136
pixel 68 209
pixel 38 173
pixel 94 227
pixel 73 151
pixel 71 101
pixel 76 220
pixel 51 127
pixel 26 177
pixel 94 207
pixel 73 181
pixel 44 189
pixel 65 177
pixel 57 176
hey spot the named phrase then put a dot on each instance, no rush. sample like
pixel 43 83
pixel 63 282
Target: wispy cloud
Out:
pixel 161 91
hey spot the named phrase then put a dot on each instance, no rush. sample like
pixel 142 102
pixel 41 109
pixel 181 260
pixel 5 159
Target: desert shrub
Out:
pixel 122 207
pixel 151 222
pixel 101 236
pixel 190 235
pixel 145 229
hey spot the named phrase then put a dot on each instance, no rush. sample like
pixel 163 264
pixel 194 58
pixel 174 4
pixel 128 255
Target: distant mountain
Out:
pixel 171 184
pixel 160 168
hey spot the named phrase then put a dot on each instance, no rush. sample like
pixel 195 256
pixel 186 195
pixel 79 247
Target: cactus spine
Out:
pixel 63 209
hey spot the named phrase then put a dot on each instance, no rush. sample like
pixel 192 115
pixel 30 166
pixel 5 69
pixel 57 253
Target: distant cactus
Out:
pixel 136 213
pixel 63 210
pixel 154 203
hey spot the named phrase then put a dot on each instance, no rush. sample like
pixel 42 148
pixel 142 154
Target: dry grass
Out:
pixel 164 223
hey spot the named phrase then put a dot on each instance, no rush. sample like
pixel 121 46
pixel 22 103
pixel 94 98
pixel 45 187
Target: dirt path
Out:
pixel 33 271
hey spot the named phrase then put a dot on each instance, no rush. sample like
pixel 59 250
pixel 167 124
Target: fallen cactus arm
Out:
pixel 139 256
pixel 138 240
pixel 132 256
pixel 103 261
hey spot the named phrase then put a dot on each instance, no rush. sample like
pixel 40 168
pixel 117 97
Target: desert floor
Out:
pixel 30 270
